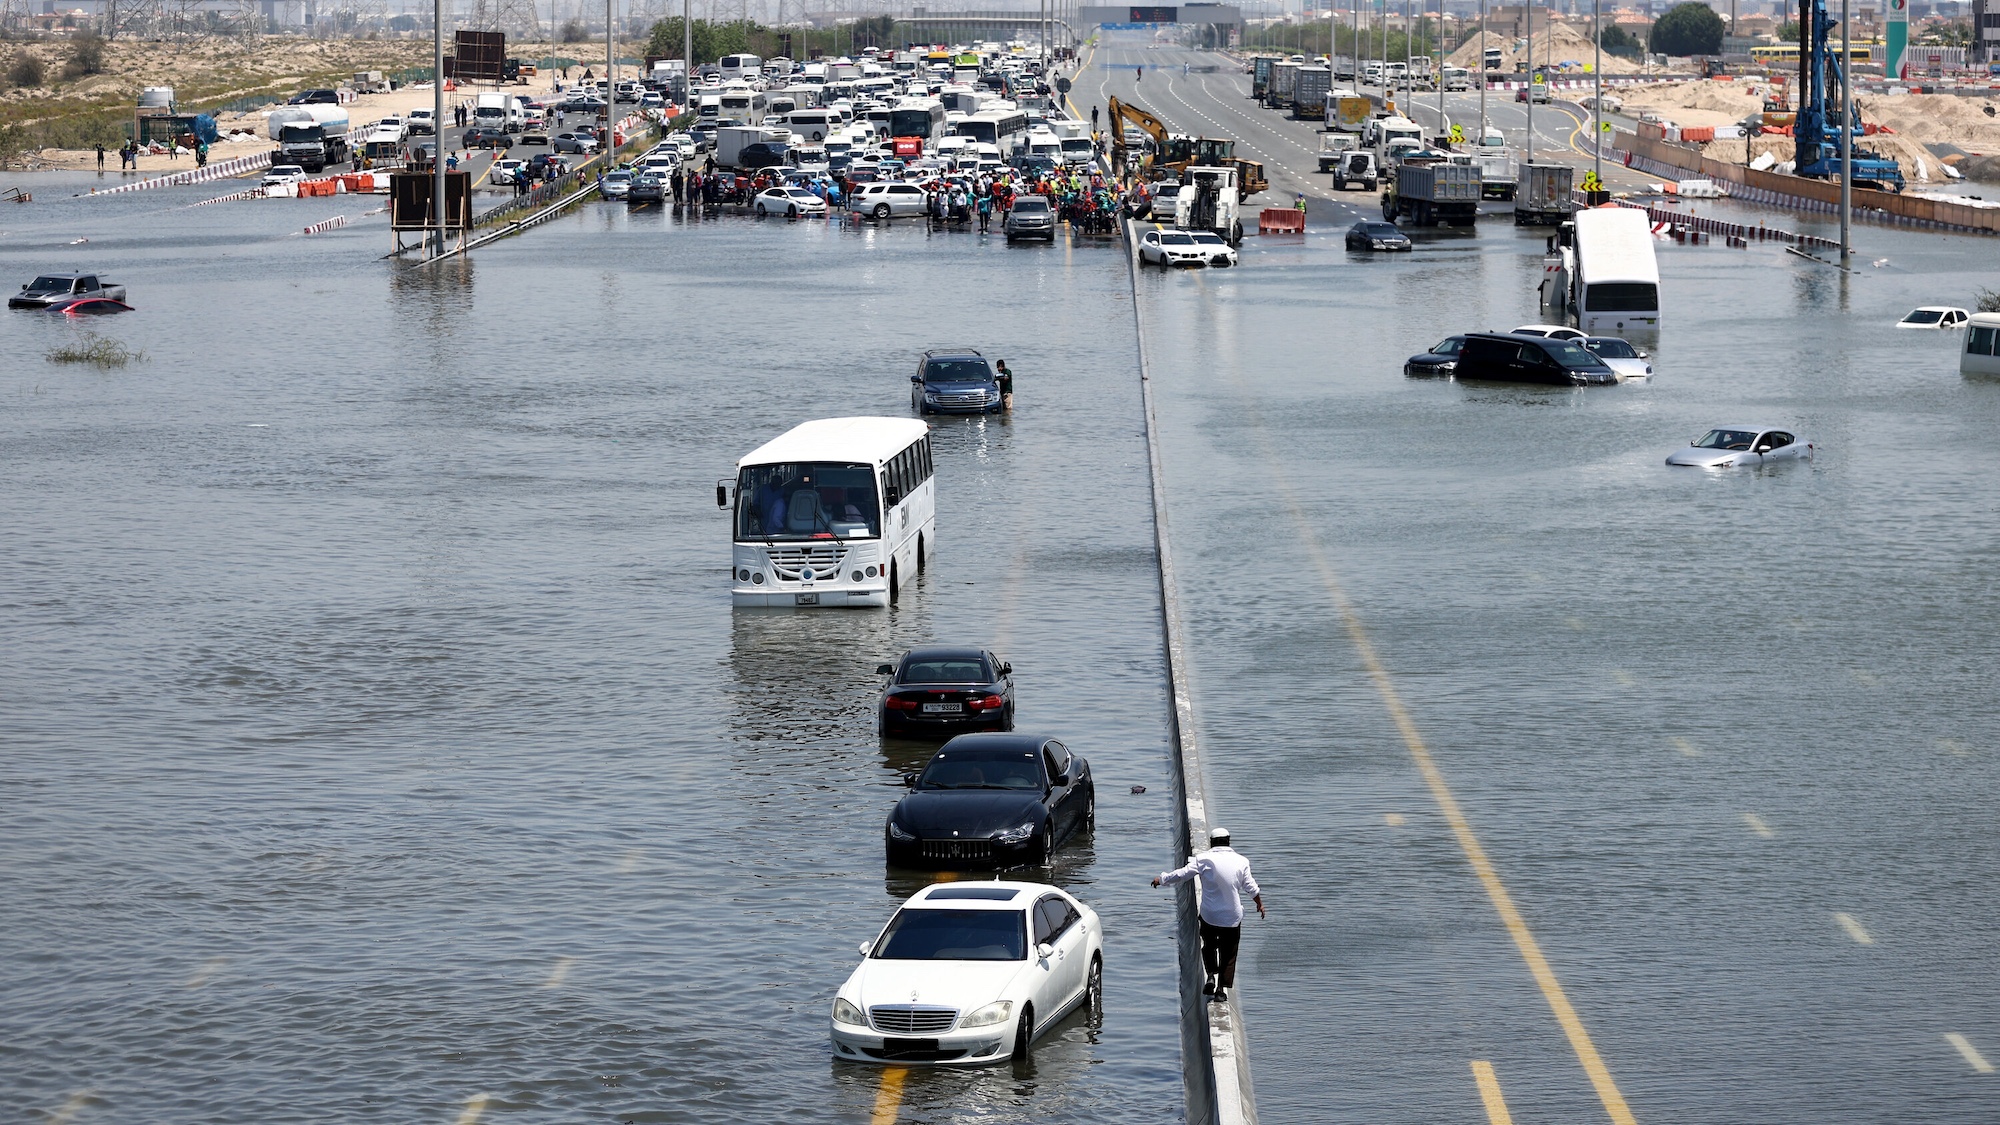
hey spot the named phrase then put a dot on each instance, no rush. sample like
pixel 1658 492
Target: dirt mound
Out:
pixel 1933 118
pixel 1568 44
pixel 1697 103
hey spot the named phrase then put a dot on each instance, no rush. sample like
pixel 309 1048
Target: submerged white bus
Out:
pixel 1616 287
pixel 837 512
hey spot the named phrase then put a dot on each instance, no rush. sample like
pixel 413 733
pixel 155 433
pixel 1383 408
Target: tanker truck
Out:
pixel 310 136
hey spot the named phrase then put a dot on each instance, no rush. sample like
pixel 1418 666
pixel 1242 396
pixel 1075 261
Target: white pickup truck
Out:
pixel 49 288
pixel 1332 145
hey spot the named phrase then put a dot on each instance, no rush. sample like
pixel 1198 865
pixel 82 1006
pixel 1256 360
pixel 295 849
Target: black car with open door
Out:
pixel 992 800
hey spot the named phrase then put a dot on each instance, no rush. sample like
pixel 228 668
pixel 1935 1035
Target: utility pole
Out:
pixel 687 56
pixel 1437 73
pixel 1846 134
pixel 437 124
pixel 1482 71
pixel 1406 56
pixel 1597 100
pixel 1531 81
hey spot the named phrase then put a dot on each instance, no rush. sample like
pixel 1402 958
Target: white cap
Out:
pixel 1215 834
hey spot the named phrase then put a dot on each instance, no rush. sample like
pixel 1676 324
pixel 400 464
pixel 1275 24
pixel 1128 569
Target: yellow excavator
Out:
pixel 1176 152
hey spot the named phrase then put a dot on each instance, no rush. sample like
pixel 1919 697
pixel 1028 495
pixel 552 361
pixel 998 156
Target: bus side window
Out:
pixel 929 470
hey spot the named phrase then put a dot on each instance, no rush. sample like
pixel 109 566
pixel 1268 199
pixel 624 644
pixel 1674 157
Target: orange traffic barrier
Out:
pixel 1697 135
pixel 1281 220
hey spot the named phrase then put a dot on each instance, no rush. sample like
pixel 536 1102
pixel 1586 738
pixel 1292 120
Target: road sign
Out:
pixel 1062 85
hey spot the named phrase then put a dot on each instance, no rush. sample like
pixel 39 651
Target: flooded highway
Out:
pixel 381 743
pixel 1722 742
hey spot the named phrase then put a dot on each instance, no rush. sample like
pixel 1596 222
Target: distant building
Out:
pixel 1986 30
pixel 1517 21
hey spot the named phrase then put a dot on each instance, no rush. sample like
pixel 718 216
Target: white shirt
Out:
pixel 1225 882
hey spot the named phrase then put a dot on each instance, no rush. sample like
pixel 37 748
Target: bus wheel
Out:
pixel 895 585
pixel 920 554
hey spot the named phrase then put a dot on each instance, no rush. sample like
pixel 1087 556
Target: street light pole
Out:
pixel 1846 134
pixel 1482 71
pixel 437 124
pixel 1597 100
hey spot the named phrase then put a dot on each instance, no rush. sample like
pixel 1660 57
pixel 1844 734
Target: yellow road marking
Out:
pixel 1970 1053
pixel 560 973
pixel 1510 916
pixel 1853 929
pixel 1393 820
pixel 1489 1092
pixel 474 1107
pixel 207 972
pixel 1687 749
pixel 71 1107
pixel 1758 826
pixel 889 1099
pixel 1081 67
pixel 1468 842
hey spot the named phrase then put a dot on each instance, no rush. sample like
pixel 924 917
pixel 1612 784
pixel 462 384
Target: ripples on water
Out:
pixel 379 734
pixel 1625 673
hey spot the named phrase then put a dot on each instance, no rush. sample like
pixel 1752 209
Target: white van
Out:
pixel 812 124
pixel 1981 354
pixel 1045 145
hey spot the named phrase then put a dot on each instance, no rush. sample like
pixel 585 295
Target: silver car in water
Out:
pixel 1736 446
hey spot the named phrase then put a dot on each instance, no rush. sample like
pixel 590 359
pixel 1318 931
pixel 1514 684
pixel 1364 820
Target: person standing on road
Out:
pixel 1225 879
pixel 100 156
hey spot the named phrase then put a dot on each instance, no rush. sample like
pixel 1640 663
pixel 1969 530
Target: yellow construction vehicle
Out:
pixel 1176 152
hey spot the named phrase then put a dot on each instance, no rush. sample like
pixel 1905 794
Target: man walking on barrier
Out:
pixel 1225 879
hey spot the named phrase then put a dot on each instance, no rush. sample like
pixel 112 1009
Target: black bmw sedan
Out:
pixel 999 800
pixel 940 690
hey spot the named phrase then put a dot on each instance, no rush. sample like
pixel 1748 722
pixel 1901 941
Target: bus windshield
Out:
pixel 807 500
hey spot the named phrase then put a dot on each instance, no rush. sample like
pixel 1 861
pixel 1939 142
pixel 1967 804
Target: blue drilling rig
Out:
pixel 1818 153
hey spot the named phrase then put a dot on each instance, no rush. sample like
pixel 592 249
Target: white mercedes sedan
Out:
pixel 969 973
pixel 1736 446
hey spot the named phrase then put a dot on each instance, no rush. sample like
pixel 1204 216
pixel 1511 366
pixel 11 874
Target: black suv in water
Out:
pixel 955 381
pixel 1518 358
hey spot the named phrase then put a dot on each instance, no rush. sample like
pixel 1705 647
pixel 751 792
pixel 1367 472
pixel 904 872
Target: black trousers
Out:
pixel 1218 952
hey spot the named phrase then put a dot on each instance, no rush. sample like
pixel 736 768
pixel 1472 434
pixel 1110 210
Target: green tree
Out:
pixel 86 56
pixel 26 70
pixel 1618 41
pixel 1788 32
pixel 1688 29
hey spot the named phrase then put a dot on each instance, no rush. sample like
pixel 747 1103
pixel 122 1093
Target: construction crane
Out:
pixel 1820 105
pixel 1177 152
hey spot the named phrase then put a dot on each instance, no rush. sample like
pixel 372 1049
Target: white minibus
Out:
pixel 834 512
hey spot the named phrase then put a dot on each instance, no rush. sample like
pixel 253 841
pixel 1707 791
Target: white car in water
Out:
pixel 1185 248
pixel 1626 361
pixel 1935 316
pixel 1737 446
pixel 1551 331
pixel 969 973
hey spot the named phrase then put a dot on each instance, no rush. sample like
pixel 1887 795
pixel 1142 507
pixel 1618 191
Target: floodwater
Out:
pixel 380 743
pixel 1727 740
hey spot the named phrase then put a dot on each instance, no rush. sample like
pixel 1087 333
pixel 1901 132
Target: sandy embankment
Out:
pixel 1914 120
pixel 1568 44
pixel 364 109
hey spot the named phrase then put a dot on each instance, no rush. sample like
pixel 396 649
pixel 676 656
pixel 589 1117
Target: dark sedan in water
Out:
pixel 946 689
pixel 1374 234
pixel 999 800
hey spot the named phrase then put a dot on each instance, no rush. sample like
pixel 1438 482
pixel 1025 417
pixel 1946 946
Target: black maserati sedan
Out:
pixel 992 800
pixel 940 690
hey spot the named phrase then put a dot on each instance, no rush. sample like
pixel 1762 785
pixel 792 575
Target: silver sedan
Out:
pixel 1737 446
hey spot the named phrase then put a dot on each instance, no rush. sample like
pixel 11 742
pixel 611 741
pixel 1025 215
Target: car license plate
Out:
pixel 896 1046
pixel 807 599
pixel 944 708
